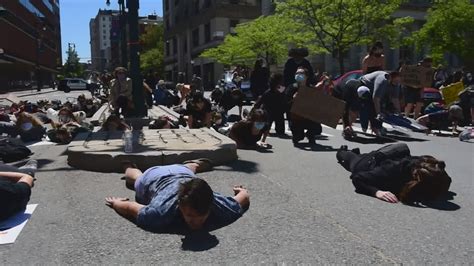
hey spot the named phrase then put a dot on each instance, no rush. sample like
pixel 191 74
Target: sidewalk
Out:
pixel 25 93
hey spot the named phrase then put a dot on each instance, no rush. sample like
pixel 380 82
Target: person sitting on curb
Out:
pixel 252 132
pixel 199 111
pixel 172 199
pixel 15 188
pixel 391 174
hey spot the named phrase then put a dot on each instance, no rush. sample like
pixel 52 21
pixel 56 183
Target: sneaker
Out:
pixel 31 166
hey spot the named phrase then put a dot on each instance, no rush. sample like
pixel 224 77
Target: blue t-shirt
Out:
pixel 159 190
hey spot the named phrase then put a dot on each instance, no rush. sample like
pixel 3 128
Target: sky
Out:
pixel 76 15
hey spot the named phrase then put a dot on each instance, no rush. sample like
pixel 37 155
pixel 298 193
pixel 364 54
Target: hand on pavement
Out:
pixel 109 201
pixel 239 189
pixel 386 196
pixel 264 145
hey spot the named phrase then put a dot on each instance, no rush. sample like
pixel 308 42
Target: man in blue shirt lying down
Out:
pixel 172 199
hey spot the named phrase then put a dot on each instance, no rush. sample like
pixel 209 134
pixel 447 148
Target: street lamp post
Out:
pixel 140 109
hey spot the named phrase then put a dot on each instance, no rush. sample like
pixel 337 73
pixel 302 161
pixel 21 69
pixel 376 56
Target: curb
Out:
pixel 35 93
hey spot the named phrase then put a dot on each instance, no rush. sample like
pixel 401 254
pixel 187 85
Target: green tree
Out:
pixel 72 67
pixel 151 56
pixel 334 26
pixel 265 37
pixel 449 28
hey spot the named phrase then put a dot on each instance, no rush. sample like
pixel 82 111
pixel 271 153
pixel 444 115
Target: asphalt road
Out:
pixel 303 210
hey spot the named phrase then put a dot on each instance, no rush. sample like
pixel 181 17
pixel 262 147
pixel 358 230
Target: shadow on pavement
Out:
pixel 314 147
pixel 239 166
pixel 443 204
pixel 199 242
pixel 363 140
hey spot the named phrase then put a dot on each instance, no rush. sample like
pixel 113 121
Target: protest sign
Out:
pixel 451 92
pixel 318 107
pixel 416 76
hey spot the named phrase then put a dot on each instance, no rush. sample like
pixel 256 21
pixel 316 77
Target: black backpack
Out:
pixel 12 150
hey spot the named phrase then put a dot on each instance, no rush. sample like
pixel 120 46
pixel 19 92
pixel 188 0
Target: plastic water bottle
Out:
pixel 128 141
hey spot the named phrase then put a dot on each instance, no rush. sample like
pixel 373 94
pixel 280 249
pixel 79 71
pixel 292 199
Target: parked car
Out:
pixel 430 94
pixel 69 84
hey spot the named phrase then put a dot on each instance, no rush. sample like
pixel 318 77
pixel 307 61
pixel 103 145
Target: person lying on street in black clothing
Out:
pixel 248 133
pixel 15 187
pixel 391 174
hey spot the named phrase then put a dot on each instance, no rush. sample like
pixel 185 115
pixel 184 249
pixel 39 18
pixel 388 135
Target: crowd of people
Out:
pixel 173 199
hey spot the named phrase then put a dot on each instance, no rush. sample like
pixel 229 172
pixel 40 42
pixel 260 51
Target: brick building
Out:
pixel 193 26
pixel 30 46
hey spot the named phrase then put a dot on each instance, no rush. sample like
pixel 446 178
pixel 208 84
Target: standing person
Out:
pixel 301 127
pixel 259 78
pixel 199 110
pixel 120 97
pixel 274 102
pixel 297 60
pixel 375 60
pixel 440 77
pixel 15 188
pixel 172 199
pixel 414 96
pixel 391 174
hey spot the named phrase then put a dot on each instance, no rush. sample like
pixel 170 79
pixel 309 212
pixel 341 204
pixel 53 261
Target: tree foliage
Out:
pixel 337 25
pixel 266 37
pixel 151 56
pixel 449 28
pixel 72 68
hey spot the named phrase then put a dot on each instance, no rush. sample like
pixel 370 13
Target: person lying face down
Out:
pixel 391 174
pixel 172 199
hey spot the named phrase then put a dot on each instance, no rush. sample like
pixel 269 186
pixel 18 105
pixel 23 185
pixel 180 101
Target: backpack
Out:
pixel 12 150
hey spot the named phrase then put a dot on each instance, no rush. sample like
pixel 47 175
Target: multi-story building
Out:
pixel 109 38
pixel 101 45
pixel 30 46
pixel 196 25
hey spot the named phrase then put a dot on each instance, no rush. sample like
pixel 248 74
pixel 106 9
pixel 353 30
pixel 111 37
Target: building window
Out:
pixel 196 37
pixel 48 5
pixel 207 3
pixel 233 23
pixel 207 32
pixel 176 2
pixel 28 5
pixel 103 18
pixel 167 7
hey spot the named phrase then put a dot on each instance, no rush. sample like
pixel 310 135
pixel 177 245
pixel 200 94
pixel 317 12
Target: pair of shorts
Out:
pixel 413 95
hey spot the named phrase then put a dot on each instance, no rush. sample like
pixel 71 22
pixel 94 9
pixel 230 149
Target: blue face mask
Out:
pixel 26 126
pixel 259 125
pixel 300 77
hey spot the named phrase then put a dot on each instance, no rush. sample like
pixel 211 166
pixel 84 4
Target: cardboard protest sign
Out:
pixel 318 107
pixel 416 76
pixel 451 92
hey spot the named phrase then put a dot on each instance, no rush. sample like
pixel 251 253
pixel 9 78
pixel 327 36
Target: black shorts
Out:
pixel 413 95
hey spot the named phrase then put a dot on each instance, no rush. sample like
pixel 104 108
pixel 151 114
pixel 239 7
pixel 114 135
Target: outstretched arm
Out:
pixel 18 177
pixel 127 209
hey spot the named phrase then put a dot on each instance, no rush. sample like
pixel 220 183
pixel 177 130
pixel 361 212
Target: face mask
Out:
pixel 300 77
pixel 259 125
pixel 64 119
pixel 281 89
pixel 26 126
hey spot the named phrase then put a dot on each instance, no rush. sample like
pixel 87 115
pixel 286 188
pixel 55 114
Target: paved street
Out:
pixel 303 210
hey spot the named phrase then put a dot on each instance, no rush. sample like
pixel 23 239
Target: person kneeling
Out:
pixel 391 174
pixel 172 199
